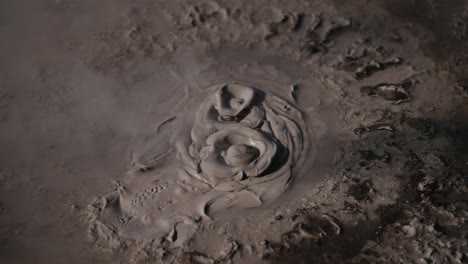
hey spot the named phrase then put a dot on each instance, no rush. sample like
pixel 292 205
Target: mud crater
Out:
pixel 238 147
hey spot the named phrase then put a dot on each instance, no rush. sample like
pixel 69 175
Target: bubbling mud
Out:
pixel 244 149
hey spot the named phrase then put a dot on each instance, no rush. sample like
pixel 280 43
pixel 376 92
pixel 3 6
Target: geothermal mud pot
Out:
pixel 218 132
pixel 243 148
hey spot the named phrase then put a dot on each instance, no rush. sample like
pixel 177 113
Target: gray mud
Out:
pixel 233 131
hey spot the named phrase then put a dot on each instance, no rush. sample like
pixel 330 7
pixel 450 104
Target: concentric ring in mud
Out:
pixel 244 149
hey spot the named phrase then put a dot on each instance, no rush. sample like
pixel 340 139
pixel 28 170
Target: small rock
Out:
pixel 409 230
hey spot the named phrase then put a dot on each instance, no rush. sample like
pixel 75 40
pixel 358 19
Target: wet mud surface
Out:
pixel 233 132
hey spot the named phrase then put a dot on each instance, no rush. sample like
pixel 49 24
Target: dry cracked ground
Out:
pixel 81 81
